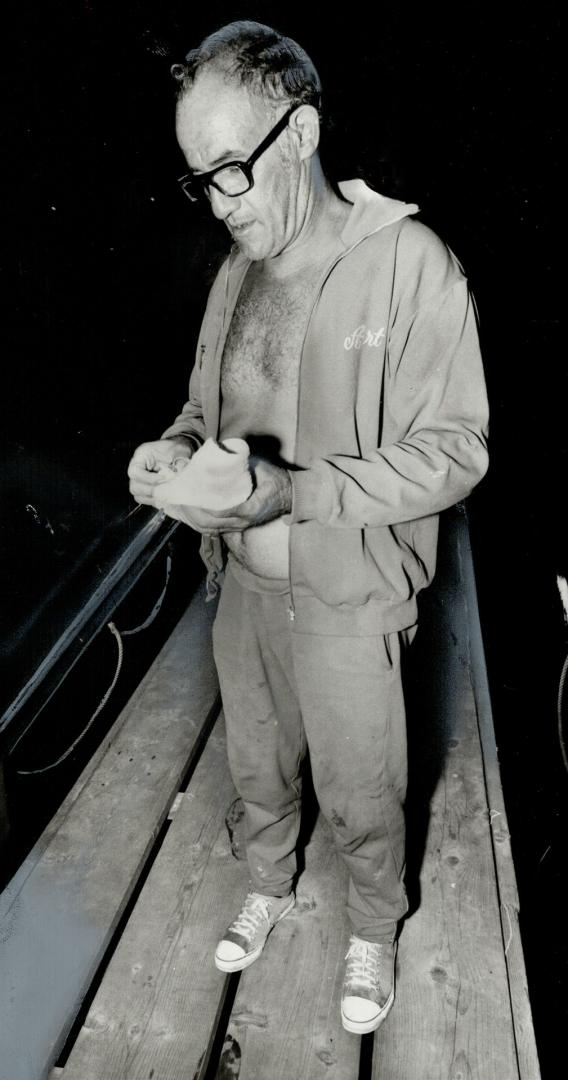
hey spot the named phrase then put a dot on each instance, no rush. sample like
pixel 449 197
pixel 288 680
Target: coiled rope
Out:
pixel 118 636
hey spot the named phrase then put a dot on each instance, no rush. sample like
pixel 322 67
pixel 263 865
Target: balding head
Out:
pixel 267 63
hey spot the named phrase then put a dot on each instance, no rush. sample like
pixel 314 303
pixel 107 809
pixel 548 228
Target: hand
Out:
pixel 148 465
pixel 272 497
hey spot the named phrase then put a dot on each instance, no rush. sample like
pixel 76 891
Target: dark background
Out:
pixel 105 273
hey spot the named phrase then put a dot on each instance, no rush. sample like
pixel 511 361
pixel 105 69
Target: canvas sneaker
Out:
pixel 245 938
pixel 368 988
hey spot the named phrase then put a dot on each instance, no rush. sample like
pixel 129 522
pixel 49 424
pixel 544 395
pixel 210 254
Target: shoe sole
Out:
pixel 229 966
pixel 365 1026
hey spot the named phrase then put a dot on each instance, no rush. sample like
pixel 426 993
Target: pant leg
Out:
pixel 265 735
pixel 352 704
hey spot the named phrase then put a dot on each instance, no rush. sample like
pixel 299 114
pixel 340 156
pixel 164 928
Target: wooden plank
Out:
pixel 158 1002
pixel 4 819
pixel 58 914
pixel 452 1015
pixel 286 1017
pixel 195 629
pixel 506 879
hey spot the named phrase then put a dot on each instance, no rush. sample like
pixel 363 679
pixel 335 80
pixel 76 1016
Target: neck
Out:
pixel 322 215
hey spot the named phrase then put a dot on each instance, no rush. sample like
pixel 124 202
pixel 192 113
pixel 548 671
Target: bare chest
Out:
pixel 264 344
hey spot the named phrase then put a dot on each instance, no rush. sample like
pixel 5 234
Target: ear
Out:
pixel 305 123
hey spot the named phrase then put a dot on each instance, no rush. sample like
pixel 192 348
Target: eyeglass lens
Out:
pixel 232 180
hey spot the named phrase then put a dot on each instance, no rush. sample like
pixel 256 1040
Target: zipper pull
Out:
pixel 291 614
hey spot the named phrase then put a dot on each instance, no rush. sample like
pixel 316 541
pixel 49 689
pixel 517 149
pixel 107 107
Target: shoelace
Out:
pixel 248 921
pixel 363 959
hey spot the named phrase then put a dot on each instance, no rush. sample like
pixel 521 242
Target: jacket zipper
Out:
pixel 319 290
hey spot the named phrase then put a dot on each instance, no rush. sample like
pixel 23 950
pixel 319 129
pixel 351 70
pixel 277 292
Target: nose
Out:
pixel 222 205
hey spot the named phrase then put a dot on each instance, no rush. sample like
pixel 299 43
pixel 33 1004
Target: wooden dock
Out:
pixel 108 929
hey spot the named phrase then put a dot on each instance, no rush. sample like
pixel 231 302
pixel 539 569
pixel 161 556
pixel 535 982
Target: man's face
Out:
pixel 219 121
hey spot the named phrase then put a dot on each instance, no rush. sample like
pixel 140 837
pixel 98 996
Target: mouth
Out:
pixel 241 228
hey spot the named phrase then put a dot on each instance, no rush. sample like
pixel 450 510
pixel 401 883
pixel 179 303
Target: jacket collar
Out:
pixel 370 212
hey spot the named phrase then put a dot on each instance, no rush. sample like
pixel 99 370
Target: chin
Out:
pixel 257 245
pixel 254 252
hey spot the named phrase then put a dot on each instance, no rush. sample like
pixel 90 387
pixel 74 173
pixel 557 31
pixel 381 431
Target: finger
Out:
pixel 143 471
pixel 143 458
pixel 150 458
pixel 236 515
pixel 144 491
pixel 138 474
pixel 138 468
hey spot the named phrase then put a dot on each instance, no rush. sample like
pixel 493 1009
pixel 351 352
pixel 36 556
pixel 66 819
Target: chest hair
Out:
pixel 266 334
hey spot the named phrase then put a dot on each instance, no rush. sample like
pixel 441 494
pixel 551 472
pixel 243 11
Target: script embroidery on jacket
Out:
pixel 363 336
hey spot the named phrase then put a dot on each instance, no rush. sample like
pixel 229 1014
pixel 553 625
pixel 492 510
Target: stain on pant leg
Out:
pixel 234 821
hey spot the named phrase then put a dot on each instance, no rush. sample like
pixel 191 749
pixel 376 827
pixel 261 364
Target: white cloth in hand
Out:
pixel 217 477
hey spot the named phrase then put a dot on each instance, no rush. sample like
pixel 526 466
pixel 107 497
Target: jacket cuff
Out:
pixel 308 497
pixel 169 434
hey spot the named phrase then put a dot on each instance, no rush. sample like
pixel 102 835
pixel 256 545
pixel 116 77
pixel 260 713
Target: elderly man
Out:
pixel 340 341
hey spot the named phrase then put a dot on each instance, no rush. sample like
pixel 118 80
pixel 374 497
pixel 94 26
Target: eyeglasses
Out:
pixel 234 178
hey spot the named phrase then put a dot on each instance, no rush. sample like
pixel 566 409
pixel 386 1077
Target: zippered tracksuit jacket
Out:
pixel 391 429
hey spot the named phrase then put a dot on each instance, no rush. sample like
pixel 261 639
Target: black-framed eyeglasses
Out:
pixel 236 177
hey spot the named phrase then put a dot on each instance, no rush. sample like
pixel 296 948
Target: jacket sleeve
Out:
pixel 435 405
pixel 190 421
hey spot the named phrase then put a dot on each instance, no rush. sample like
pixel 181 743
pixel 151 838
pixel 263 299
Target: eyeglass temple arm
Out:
pixel 206 178
pixel 272 135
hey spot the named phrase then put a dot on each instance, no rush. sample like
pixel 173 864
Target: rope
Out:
pixel 563 590
pixel 148 622
pixel 559 711
pixel 100 707
pixel 118 635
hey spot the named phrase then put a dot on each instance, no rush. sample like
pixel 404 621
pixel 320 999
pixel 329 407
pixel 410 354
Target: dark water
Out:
pixel 105 273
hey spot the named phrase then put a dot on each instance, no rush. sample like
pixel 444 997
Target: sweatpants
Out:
pixel 342 698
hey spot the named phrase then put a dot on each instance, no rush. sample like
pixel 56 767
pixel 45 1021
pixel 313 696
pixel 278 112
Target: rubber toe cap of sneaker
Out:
pixel 229 952
pixel 360 1010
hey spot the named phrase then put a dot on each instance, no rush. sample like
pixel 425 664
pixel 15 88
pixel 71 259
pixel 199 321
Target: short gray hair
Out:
pixel 269 64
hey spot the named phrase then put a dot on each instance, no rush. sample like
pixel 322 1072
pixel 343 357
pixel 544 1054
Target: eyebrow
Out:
pixel 230 155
